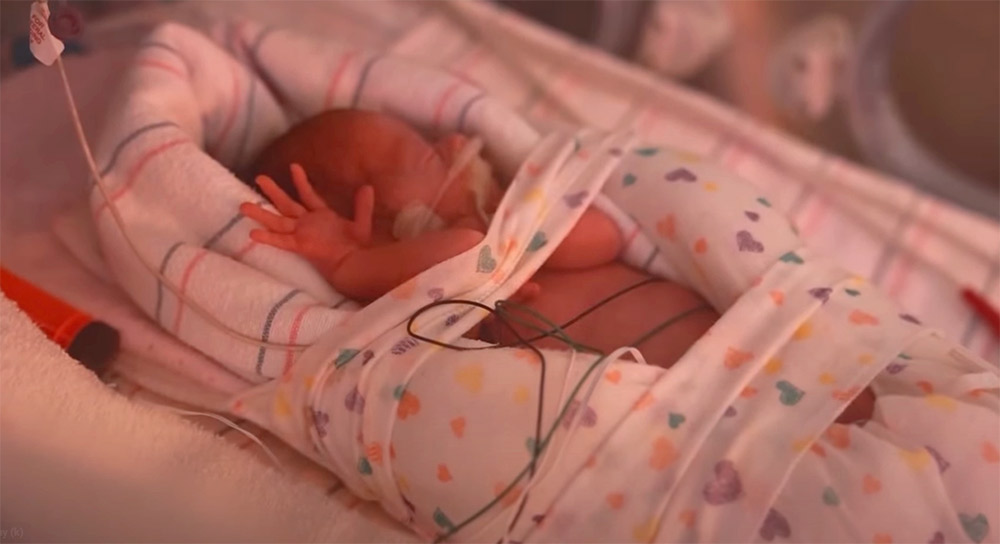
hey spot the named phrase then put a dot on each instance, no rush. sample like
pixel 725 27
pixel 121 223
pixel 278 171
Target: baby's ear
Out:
pixel 449 146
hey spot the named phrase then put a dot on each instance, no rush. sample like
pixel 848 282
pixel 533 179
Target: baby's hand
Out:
pixel 311 228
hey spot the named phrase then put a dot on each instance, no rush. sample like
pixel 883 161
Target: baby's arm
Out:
pixel 595 240
pixel 341 249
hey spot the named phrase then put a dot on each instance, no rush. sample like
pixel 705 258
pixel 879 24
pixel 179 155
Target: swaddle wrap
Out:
pixel 372 355
pixel 362 402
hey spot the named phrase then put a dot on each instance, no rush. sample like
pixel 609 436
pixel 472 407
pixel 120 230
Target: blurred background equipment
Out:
pixel 908 87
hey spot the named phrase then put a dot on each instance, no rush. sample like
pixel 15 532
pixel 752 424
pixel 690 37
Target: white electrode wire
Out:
pixel 469 152
pixel 198 309
pixel 224 421
pixel 574 425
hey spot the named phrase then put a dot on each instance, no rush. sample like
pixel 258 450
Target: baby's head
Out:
pixel 419 184
pixel 462 193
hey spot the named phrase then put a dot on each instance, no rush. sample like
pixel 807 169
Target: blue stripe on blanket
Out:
pixel 248 124
pixel 649 260
pixel 891 246
pixel 463 113
pixel 225 228
pixel 129 139
pixel 159 285
pixel 255 46
pixel 266 333
pixel 364 77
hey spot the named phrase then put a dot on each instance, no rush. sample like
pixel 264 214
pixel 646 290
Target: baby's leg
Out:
pixel 709 229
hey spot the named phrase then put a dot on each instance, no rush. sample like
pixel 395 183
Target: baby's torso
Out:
pixel 620 321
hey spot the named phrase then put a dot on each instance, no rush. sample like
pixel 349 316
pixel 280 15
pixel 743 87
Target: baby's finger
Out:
pixel 280 198
pixel 272 221
pixel 280 241
pixel 364 209
pixel 307 194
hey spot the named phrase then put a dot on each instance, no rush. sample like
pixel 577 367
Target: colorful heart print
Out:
pixel 575 200
pixel 775 525
pixel 753 216
pixel 910 318
pixel 675 420
pixel 486 262
pixel 320 420
pixel 976 527
pixel 790 395
pixel 364 467
pixel 367 356
pixel 895 368
pixel 404 345
pixel 830 497
pixel 458 426
pixel 791 257
pixel 409 405
pixel 725 485
pixel 747 243
pixel 538 241
pixel 628 180
pixel 859 317
pixel 588 417
pixel 681 174
pixel 821 293
pixel 354 402
pixel 344 357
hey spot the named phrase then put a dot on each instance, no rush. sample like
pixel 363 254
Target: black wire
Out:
pixel 500 313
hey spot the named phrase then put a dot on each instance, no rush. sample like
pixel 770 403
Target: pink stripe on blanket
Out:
pixel 244 250
pixel 150 63
pixel 133 174
pixel 467 62
pixel 815 216
pixel 235 99
pixel 630 238
pixel 293 335
pixel 901 272
pixel 183 286
pixel 331 89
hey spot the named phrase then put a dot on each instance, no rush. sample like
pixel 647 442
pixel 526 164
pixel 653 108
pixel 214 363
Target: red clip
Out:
pixel 983 309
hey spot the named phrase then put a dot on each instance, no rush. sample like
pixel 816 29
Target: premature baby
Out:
pixel 371 203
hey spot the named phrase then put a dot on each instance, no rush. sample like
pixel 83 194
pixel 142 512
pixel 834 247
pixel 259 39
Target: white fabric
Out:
pixel 81 463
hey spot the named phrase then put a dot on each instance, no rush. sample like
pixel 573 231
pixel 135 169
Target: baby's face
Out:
pixel 443 177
